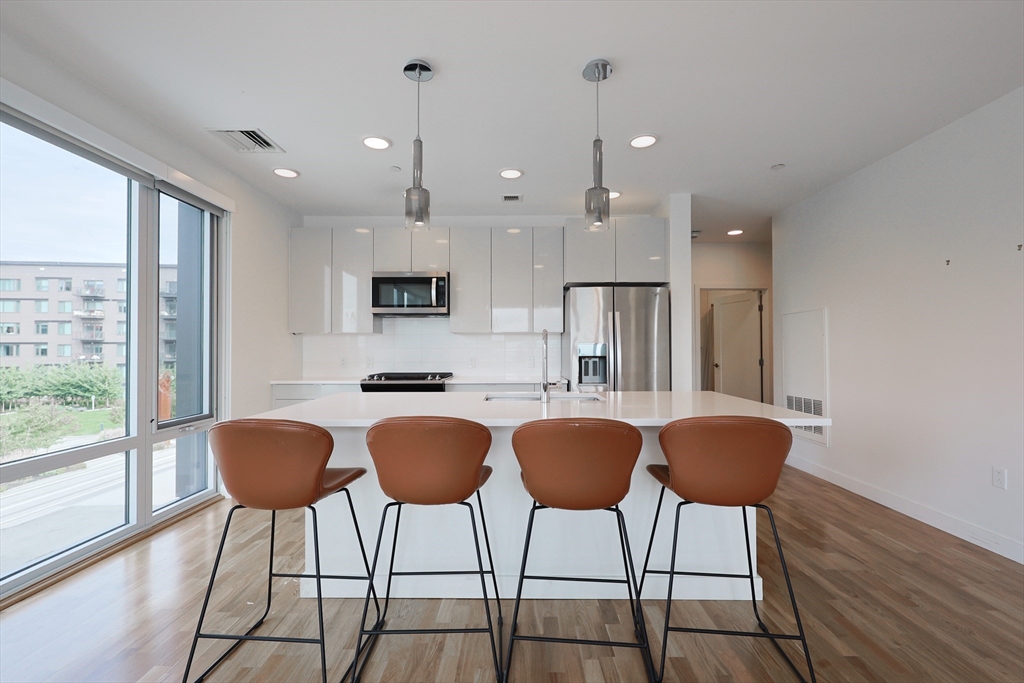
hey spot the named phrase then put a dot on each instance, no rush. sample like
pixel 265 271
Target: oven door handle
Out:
pixel 433 292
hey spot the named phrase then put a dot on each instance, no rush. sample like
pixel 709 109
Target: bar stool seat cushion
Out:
pixel 727 460
pixel 661 474
pixel 577 463
pixel 429 460
pixel 337 478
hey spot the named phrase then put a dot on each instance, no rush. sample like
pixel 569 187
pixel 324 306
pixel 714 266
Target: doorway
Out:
pixel 732 342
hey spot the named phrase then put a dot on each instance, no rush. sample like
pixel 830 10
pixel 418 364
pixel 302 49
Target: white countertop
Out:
pixel 454 380
pixel 639 408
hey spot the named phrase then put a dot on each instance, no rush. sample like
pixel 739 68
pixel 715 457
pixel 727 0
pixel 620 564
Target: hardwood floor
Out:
pixel 882 597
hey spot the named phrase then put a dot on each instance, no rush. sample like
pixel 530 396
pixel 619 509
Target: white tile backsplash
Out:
pixel 426 345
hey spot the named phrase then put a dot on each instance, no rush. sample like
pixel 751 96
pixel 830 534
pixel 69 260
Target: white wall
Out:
pixel 743 265
pixel 262 349
pixel 427 345
pixel 926 363
pixel 680 221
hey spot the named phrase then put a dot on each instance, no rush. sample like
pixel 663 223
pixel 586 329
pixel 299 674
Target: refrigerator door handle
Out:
pixel 613 366
pixel 618 351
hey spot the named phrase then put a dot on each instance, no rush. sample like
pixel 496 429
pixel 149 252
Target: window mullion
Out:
pixel 145 318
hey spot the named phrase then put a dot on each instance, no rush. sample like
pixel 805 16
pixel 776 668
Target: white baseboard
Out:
pixel 1000 545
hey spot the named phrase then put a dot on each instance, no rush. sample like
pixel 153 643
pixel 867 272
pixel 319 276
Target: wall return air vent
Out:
pixel 511 197
pixel 246 141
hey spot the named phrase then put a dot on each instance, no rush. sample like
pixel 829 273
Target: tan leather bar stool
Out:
pixel 431 461
pixel 277 465
pixel 729 461
pixel 579 464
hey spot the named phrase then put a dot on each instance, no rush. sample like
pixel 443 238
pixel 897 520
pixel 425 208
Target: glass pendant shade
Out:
pixel 597 207
pixel 417 209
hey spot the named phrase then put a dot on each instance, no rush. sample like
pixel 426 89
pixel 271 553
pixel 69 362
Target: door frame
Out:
pixel 767 334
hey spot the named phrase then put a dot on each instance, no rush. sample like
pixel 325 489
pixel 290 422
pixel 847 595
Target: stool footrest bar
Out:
pixel 448 573
pixel 572 578
pixel 665 572
pixel 421 631
pixel 227 636
pixel 751 634
pixel 579 641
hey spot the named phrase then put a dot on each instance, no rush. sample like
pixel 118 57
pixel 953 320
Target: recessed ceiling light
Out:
pixel 653 258
pixel 645 140
pixel 511 173
pixel 286 173
pixel 441 241
pixel 614 195
pixel 734 232
pixel 363 230
pixel 376 143
pixel 778 167
pixel 539 265
pixel 514 231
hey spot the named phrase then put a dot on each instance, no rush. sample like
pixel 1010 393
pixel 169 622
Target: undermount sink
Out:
pixel 535 396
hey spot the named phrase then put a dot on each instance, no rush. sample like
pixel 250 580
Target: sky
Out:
pixel 58 206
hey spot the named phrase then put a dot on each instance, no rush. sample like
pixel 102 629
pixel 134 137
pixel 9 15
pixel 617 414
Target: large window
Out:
pixel 103 436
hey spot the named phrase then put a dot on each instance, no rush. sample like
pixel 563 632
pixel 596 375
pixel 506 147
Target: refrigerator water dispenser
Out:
pixel 593 363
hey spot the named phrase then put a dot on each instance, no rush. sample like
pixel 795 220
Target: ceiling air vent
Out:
pixel 249 141
pixel 511 197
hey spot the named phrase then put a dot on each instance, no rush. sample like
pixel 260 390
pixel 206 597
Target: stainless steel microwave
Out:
pixel 422 293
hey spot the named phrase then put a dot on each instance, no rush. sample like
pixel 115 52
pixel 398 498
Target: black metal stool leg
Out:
pixel 650 545
pixel 668 600
pixel 519 594
pixel 792 599
pixel 494 579
pixel 639 626
pixel 319 595
pixel 356 669
pixel 371 642
pixel 483 586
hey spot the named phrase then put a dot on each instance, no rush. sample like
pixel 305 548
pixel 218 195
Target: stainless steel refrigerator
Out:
pixel 616 339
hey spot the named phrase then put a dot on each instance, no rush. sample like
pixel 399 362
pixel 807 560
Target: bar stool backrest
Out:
pixel 725 459
pixel 577 463
pixel 428 460
pixel 271 464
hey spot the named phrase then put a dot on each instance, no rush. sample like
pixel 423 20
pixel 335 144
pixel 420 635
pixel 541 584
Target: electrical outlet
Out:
pixel 344 362
pixel 369 362
pixel 999 478
pixel 472 361
pixel 531 361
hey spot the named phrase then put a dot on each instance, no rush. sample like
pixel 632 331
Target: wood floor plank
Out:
pixel 882 597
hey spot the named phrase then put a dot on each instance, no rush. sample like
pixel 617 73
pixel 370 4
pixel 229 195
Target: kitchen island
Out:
pixel 564 543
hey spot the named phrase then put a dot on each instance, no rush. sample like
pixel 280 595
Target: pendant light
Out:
pixel 417 197
pixel 597 202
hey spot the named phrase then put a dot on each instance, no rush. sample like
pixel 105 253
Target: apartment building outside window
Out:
pixel 118 456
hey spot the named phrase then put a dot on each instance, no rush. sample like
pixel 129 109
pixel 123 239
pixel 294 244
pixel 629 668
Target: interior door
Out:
pixel 737 344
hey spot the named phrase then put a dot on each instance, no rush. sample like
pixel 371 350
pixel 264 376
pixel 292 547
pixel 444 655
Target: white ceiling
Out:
pixel 730 88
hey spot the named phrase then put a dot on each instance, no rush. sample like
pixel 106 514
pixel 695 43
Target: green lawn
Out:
pixel 89 421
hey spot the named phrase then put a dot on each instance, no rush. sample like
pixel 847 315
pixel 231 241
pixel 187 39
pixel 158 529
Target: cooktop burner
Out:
pixel 405 381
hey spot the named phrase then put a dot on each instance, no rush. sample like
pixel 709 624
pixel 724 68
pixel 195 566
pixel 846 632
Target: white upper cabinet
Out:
pixel 470 285
pixel 640 249
pixel 430 249
pixel 392 249
pixel 353 262
pixel 547 280
pixel 309 280
pixel 511 279
pixel 589 256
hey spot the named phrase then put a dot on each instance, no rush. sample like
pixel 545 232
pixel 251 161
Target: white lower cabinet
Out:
pixel 283 395
pixel 470 285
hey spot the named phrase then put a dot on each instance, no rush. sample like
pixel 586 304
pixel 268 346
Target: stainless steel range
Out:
pixel 405 381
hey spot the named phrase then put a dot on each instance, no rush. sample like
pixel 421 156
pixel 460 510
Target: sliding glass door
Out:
pixel 107 350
